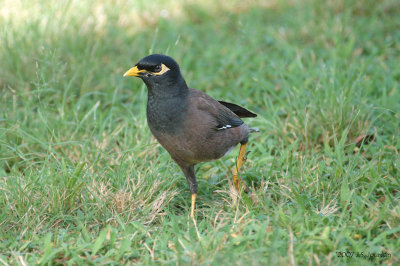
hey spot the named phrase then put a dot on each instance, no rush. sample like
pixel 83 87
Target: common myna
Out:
pixel 189 124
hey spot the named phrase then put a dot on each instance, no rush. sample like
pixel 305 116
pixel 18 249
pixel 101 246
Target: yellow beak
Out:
pixel 134 71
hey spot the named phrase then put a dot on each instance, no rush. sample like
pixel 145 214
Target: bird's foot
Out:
pixel 193 205
pixel 245 156
pixel 240 161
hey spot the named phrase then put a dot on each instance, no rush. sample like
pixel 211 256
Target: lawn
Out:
pixel 82 181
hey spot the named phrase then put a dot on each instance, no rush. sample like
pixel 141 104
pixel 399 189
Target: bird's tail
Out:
pixel 254 129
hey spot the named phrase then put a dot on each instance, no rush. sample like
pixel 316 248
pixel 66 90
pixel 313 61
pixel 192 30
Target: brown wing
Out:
pixel 223 117
pixel 210 130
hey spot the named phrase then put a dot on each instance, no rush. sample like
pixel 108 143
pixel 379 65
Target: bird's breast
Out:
pixel 166 116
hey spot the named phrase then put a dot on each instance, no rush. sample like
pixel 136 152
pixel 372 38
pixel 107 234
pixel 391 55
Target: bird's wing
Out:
pixel 221 116
pixel 227 120
pixel 238 110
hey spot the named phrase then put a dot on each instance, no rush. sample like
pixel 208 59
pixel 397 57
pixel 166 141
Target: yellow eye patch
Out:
pixel 164 69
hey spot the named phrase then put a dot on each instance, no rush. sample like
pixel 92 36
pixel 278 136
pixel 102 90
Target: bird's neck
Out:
pixel 167 88
pixel 166 108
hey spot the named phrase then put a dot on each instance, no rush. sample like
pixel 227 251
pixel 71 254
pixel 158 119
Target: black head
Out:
pixel 160 73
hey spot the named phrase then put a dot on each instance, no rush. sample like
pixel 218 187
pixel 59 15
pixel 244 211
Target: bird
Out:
pixel 191 125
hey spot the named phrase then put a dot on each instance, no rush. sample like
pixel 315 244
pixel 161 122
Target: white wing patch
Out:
pixel 224 127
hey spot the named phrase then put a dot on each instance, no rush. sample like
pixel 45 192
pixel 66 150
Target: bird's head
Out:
pixel 159 72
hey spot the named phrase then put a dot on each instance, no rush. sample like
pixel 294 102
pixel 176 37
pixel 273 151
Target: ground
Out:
pixel 83 181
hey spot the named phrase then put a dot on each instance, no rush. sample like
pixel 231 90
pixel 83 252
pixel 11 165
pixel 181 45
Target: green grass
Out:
pixel 83 181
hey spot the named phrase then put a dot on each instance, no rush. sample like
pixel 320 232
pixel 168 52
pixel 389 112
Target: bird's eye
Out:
pixel 157 68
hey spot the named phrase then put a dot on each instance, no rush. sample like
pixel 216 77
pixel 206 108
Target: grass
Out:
pixel 82 180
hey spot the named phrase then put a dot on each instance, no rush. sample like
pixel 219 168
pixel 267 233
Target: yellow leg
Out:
pixel 193 204
pixel 240 161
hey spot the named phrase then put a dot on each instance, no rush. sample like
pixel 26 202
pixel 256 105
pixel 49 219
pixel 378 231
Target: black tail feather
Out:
pixel 238 110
